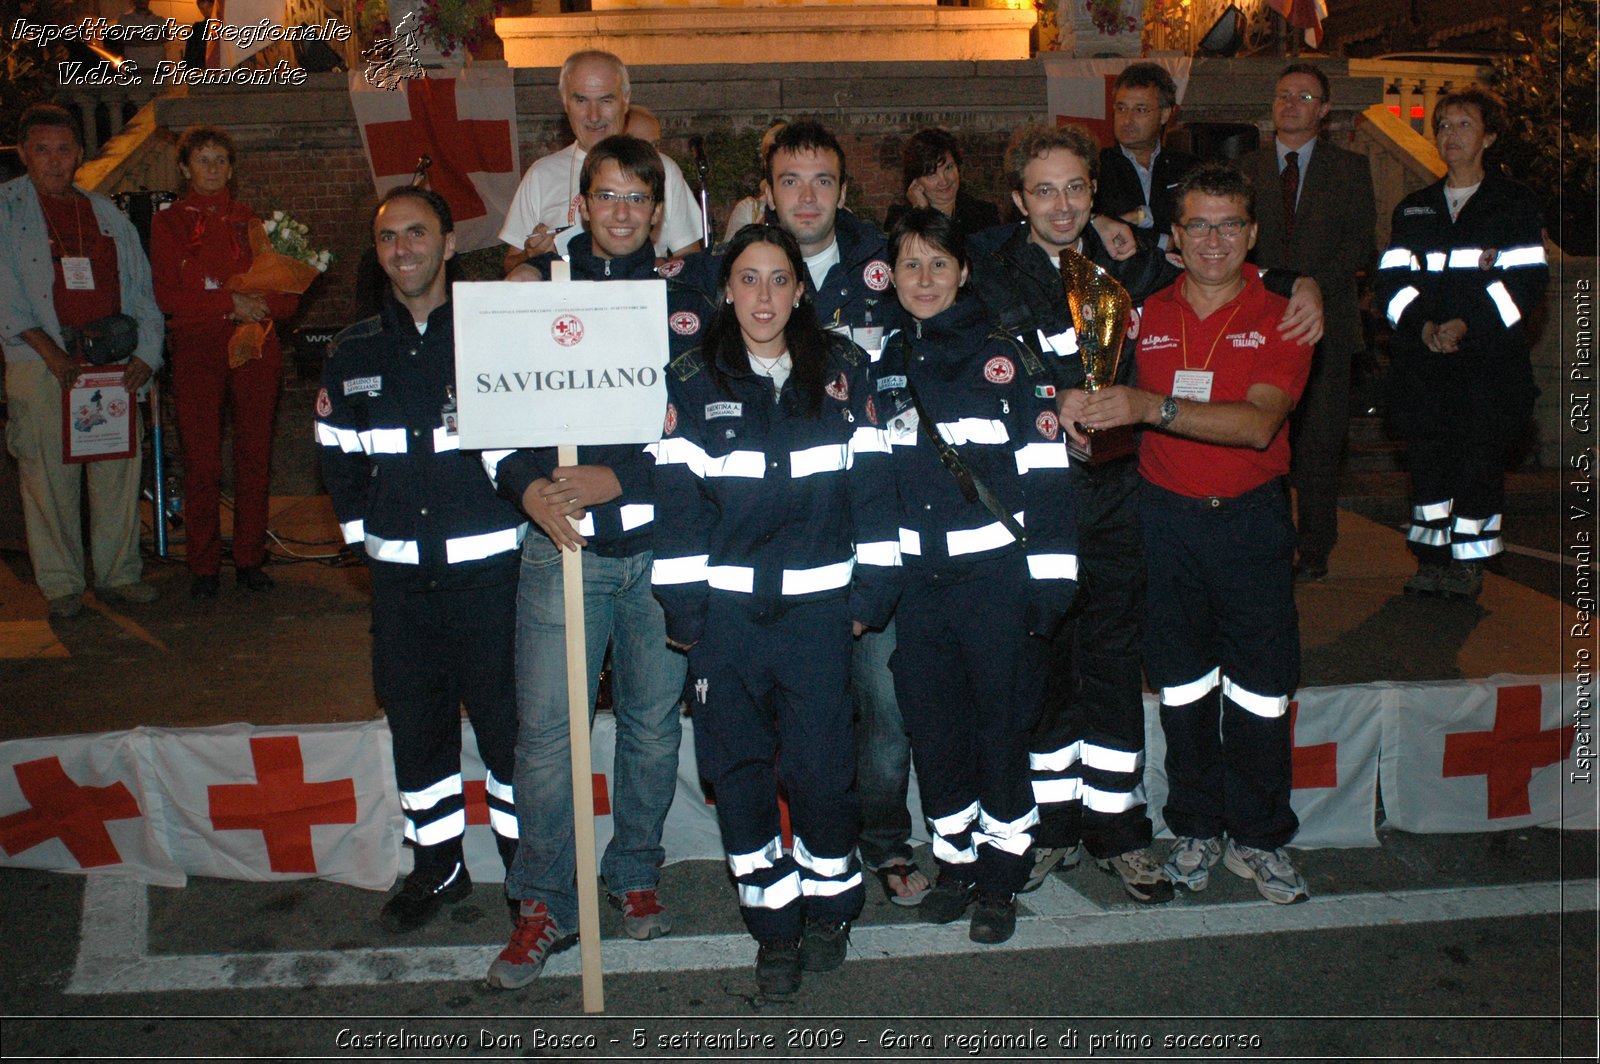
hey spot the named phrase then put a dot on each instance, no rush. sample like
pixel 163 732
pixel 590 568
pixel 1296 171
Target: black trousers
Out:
pixel 969 677
pixel 1087 753
pixel 1318 428
pixel 434 651
pixel 772 706
pixel 1222 642
pixel 1460 415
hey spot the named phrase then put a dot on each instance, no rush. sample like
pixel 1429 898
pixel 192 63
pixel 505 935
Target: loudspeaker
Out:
pixel 1226 35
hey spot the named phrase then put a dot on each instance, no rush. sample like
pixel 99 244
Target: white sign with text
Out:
pixel 552 363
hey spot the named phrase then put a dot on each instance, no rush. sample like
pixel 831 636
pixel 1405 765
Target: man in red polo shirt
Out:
pixel 1217 381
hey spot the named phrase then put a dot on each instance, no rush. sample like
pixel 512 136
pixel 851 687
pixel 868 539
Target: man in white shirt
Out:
pixel 544 213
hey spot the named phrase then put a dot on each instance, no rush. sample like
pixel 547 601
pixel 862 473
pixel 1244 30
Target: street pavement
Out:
pixel 1428 947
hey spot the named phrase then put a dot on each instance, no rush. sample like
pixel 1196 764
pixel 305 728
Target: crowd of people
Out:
pixel 888 521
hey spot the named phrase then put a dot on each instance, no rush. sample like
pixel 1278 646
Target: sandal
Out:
pixel 902 870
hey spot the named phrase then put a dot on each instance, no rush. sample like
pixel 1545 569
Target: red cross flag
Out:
pixel 282 803
pixel 75 803
pixel 466 124
pixel 1306 15
pixel 1334 734
pixel 1078 91
pixel 1494 755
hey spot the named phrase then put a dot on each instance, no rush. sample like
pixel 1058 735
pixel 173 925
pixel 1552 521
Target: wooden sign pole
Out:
pixel 578 695
pixel 578 701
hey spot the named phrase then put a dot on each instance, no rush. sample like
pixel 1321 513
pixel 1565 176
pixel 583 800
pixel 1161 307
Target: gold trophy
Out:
pixel 1100 309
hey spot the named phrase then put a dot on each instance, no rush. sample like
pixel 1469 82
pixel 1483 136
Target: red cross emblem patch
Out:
pixel 876 275
pixel 685 323
pixel 999 370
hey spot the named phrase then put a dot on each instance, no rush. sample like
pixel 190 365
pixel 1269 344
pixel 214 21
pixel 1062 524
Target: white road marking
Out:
pixel 114 955
pixel 1542 555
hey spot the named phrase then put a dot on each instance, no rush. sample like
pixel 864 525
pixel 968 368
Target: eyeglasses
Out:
pixel 1048 193
pixel 632 199
pixel 1228 229
pixel 1298 97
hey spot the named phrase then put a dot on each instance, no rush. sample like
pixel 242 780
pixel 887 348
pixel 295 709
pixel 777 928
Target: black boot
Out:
pixel 438 879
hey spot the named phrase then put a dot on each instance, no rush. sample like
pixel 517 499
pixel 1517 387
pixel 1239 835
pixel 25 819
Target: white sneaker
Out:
pixel 1189 863
pixel 1274 874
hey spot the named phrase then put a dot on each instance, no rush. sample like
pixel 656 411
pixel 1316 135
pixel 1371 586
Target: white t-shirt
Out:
pixel 819 264
pixel 549 194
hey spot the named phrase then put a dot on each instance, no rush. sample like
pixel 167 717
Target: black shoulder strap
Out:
pixel 972 489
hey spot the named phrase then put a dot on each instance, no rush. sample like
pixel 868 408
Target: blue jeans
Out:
pixel 646 685
pixel 883 752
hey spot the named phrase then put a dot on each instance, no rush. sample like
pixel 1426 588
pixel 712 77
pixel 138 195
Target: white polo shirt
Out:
pixel 549 194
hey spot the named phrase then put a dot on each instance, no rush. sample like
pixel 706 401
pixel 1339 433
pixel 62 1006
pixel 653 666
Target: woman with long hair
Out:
pixel 775 537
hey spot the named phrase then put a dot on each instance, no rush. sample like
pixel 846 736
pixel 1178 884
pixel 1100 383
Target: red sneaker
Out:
pixel 534 940
pixel 643 916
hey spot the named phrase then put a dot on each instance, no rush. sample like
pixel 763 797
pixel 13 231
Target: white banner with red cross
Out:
pixel 1501 753
pixel 79 802
pixel 1079 91
pixel 467 126
pixel 242 802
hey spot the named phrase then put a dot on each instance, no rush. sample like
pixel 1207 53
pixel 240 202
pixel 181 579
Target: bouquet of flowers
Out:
pixel 289 237
pixel 283 261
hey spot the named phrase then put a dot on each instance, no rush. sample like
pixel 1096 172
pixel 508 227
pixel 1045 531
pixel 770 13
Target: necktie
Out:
pixel 1290 177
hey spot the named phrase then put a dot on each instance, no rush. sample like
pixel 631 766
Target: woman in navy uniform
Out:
pixel 774 532
pixel 1464 269
pixel 988 548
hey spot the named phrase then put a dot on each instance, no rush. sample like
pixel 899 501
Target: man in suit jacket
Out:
pixel 1315 214
pixel 1137 175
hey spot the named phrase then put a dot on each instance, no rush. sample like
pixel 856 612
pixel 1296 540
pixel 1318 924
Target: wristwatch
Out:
pixel 1169 410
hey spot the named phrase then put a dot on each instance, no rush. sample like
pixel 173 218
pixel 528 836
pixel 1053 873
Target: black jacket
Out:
pixel 1434 269
pixel 990 398
pixel 856 293
pixel 763 505
pixel 420 508
pixel 1022 288
pixel 1119 190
